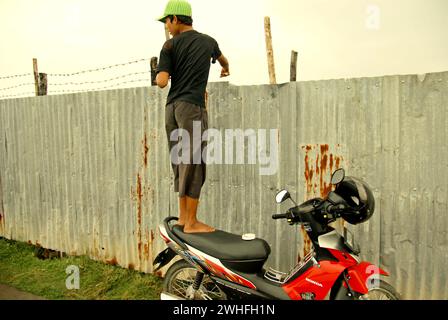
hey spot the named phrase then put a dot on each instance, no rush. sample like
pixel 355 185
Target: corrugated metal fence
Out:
pixel 89 173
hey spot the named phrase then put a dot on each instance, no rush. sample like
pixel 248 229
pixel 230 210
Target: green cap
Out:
pixel 176 8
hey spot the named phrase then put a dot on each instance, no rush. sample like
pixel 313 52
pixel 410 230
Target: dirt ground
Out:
pixel 10 293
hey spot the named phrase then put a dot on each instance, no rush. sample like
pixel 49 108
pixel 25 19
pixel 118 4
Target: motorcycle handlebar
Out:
pixel 279 216
pixel 335 208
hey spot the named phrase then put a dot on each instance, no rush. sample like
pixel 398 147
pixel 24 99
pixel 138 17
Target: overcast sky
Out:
pixel 334 38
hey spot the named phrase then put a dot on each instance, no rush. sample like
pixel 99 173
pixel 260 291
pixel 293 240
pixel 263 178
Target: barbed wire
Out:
pixel 16 76
pixel 78 83
pixel 73 83
pixel 18 86
pixel 75 91
pixel 99 81
pixel 18 95
pixel 100 88
pixel 98 69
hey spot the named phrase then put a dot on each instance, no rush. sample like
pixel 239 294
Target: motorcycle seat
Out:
pixel 224 245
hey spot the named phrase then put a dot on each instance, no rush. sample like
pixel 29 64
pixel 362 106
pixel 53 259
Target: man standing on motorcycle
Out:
pixel 185 59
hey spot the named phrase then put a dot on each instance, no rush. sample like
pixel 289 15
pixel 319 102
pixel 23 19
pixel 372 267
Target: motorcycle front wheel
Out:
pixel 179 280
pixel 382 291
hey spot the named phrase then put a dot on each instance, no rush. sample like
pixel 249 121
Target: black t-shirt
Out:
pixel 186 57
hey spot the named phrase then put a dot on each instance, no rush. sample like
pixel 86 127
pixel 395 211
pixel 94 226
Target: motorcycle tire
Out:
pixel 383 291
pixel 179 280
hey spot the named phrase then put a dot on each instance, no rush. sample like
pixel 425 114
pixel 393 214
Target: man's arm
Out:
pixel 165 66
pixel 225 66
pixel 162 79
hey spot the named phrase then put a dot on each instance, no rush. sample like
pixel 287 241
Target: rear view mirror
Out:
pixel 338 176
pixel 282 196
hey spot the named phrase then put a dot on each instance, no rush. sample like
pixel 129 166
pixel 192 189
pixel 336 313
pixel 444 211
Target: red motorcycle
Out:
pixel 221 265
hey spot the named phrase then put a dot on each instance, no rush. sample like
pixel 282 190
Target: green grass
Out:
pixel 19 268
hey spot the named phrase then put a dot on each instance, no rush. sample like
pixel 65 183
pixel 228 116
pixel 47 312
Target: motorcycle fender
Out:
pixel 318 280
pixel 364 276
pixel 163 258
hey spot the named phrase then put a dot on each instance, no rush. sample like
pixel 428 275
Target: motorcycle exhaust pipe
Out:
pixel 168 296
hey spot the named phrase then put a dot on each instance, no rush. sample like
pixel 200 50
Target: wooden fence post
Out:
pixel 36 76
pixel 42 84
pixel 153 71
pixel 269 50
pixel 293 69
pixel 40 80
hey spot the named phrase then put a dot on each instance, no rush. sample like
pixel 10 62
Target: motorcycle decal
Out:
pixel 170 242
pixel 314 282
pixel 217 268
pixel 192 258
pixel 317 280
pixel 364 276
pixel 164 234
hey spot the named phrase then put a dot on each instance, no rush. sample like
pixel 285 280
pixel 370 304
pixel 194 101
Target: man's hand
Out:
pixel 224 73
pixel 162 79
pixel 225 66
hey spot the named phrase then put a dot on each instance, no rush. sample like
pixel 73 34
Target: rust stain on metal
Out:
pixel 149 193
pixel 158 273
pixel 139 216
pixel 308 175
pixel 320 163
pixel 2 220
pixel 318 169
pixel 112 262
pixel 139 199
pixel 324 187
pixel 2 210
pixel 139 248
pixel 145 150
pixel 306 242
pixel 146 251
pixel 153 135
pixel 331 162
pixel 147 245
pixel 142 193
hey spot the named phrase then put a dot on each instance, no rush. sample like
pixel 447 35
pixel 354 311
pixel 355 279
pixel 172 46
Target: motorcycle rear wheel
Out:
pixel 179 280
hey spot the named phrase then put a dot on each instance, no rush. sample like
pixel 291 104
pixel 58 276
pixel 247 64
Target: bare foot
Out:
pixel 198 227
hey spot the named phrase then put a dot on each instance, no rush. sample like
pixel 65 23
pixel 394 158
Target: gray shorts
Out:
pixel 188 177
